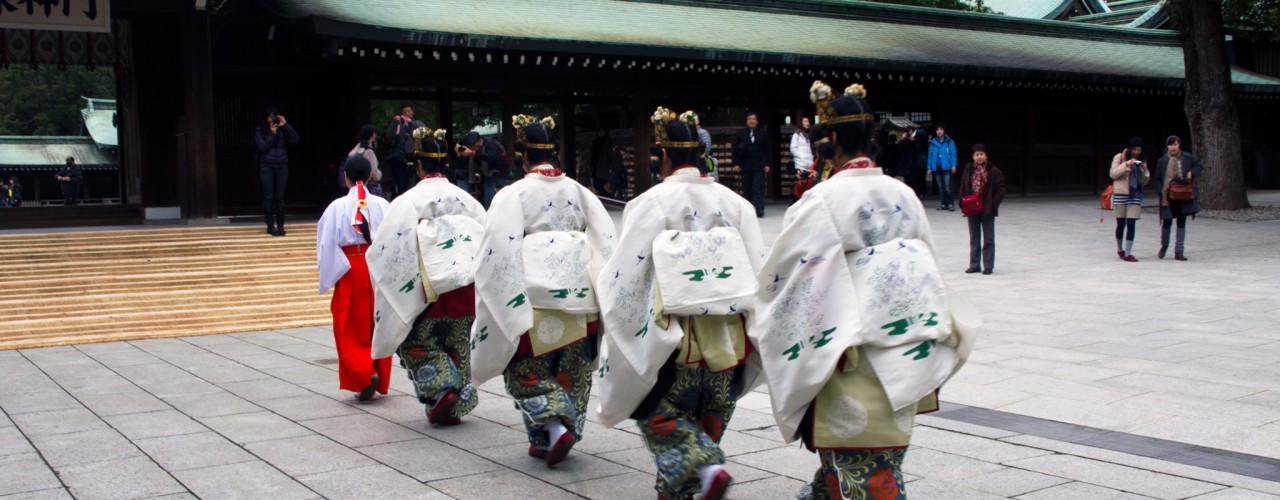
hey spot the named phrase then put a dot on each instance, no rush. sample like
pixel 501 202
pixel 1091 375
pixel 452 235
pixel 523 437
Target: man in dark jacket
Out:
pixel 272 138
pixel 602 163
pixel 70 178
pixel 751 153
pixel 985 180
pixel 487 157
pixel 399 155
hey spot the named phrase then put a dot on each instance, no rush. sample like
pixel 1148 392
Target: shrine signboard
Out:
pixel 60 15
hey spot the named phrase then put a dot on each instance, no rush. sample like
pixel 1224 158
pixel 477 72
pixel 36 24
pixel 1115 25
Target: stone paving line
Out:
pixel 1073 335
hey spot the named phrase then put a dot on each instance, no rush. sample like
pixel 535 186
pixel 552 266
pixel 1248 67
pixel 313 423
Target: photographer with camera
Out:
pixel 399 156
pixel 1128 173
pixel 272 138
pixel 483 156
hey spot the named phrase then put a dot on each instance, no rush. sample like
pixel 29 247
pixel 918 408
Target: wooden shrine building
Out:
pixel 1052 99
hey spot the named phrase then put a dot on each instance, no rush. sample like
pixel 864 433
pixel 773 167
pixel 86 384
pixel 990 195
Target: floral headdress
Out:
pixel 520 122
pixel 821 95
pixel 663 116
pixel 424 132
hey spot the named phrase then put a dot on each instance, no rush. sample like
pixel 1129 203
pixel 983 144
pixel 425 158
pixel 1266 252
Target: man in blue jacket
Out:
pixel 942 162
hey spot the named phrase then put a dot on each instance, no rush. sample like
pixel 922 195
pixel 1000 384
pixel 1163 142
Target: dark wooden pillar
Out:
pixel 1028 146
pixel 201 200
pixel 568 138
pixel 642 137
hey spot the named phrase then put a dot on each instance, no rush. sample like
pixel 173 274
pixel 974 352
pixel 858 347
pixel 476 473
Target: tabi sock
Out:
pixel 707 473
pixel 556 429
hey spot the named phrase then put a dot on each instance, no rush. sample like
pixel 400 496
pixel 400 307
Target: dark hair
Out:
pixel 432 145
pixel 753 113
pixel 942 126
pixel 978 148
pixel 406 104
pixel 853 137
pixel 800 129
pixel 679 131
pixel 366 132
pixel 1171 140
pixel 271 110
pixel 1135 142
pixel 71 160
pixel 470 138
pixel 358 169
pixel 537 133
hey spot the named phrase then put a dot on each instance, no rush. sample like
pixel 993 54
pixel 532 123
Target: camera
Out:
pixel 275 119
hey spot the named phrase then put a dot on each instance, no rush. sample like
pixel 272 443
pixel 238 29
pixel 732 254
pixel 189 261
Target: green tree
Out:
pixel 46 100
pixel 1210 103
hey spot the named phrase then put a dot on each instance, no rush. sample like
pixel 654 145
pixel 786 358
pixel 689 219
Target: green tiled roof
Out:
pixel 844 33
pixel 1030 9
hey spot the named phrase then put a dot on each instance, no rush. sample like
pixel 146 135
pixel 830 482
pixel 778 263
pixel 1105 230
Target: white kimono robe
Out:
pixel 336 230
pixel 629 363
pixel 807 309
pixel 394 257
pixel 533 204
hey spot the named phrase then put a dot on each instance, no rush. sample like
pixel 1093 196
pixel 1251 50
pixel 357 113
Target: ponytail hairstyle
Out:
pixel 535 139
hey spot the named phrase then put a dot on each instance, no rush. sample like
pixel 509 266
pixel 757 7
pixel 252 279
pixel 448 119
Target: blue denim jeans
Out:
pixel 491 186
pixel 944 187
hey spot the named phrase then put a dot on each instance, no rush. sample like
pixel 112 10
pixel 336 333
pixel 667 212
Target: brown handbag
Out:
pixel 1181 192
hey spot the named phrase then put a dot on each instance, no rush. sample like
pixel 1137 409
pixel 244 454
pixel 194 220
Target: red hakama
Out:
pixel 352 309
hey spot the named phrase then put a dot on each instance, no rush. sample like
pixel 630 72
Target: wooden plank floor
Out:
pixel 75 288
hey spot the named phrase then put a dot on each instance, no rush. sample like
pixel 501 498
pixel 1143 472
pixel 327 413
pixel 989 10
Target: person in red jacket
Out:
pixel 986 181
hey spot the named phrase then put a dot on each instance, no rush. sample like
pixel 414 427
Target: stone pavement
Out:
pixel 1096 378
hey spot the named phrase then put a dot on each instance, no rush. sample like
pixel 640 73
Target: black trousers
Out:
pixel 71 192
pixel 984 227
pixel 753 187
pixel 273 184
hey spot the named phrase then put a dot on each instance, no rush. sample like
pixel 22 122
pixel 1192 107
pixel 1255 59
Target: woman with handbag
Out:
pixel 981 192
pixel 1176 173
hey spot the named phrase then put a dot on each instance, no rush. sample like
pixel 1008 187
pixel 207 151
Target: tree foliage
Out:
pixel 1261 17
pixel 46 100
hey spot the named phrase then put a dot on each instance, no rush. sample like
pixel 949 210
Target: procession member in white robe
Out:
pixel 342 237
pixel 674 306
pixel 854 326
pixel 536 310
pixel 422 263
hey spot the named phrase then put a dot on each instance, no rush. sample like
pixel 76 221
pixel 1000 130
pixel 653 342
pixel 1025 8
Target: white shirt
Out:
pixel 335 230
pixel 801 151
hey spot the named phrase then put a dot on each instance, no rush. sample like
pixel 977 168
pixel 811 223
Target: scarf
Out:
pixel 1172 171
pixel 980 176
pixel 1135 180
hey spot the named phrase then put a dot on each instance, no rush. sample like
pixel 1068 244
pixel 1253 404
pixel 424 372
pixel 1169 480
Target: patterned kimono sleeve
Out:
pixel 600 230
pixel 503 311
pixel 804 314
pixel 330 260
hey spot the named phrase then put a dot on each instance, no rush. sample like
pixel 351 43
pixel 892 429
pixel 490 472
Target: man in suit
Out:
pixel 751 155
